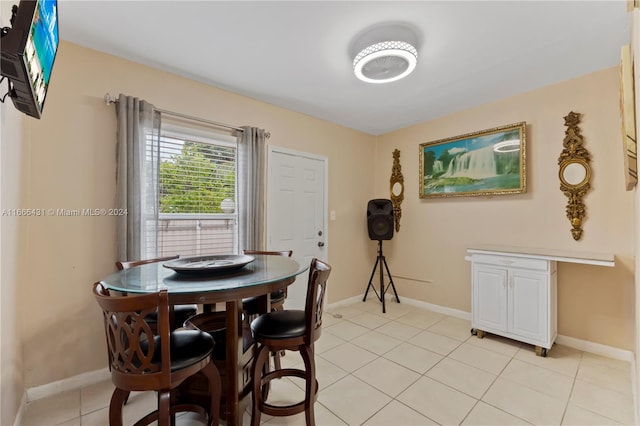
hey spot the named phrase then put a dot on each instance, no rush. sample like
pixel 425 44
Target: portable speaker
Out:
pixel 380 219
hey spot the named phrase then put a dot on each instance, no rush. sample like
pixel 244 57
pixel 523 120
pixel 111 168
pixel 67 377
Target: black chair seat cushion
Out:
pixel 214 324
pixel 181 313
pixel 279 325
pixel 250 304
pixel 187 348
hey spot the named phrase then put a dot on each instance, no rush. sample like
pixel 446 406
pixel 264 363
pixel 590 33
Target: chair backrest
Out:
pixel 137 356
pixel 316 288
pixel 130 264
pixel 287 253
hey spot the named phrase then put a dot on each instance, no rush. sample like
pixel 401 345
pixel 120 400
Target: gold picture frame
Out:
pixel 628 117
pixel 488 162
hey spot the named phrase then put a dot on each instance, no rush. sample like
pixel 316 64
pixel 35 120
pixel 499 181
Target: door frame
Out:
pixel 271 149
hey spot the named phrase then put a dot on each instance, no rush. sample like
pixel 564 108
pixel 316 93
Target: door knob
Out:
pixel 320 244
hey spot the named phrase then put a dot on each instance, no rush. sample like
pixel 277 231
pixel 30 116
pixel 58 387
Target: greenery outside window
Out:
pixel 197 193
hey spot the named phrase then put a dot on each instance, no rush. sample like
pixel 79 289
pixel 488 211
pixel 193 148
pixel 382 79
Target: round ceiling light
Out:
pixel 385 62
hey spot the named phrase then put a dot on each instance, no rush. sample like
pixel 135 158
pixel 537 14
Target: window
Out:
pixel 196 193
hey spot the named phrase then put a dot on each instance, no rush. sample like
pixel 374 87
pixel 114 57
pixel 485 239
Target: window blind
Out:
pixel 196 194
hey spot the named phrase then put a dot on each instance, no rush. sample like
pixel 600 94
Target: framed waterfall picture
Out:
pixel 488 162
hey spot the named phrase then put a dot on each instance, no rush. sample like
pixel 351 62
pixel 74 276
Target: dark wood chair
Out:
pixel 143 360
pixel 293 330
pixel 251 305
pixel 178 314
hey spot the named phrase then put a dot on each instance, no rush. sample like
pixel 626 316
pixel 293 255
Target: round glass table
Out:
pixel 260 277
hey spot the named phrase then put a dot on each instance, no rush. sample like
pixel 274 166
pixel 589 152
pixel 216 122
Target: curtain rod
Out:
pixel 109 100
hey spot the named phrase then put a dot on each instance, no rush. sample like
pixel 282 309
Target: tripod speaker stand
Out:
pixel 380 261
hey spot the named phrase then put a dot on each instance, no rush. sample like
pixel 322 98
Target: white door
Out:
pixel 296 211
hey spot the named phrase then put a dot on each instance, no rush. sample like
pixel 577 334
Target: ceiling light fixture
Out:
pixel 385 62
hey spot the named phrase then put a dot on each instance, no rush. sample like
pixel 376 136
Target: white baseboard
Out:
pixel 438 308
pixel 412 302
pixel 70 383
pixel 596 348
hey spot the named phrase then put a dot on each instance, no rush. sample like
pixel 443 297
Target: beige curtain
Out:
pixel 136 178
pixel 251 188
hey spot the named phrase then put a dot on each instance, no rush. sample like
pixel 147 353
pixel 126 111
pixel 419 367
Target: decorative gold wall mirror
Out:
pixel 396 187
pixel 575 173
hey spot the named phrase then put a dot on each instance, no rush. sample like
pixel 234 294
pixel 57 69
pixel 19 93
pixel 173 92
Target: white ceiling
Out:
pixel 296 54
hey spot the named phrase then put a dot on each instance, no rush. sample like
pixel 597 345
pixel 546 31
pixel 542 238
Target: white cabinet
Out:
pixel 515 297
pixel 515 291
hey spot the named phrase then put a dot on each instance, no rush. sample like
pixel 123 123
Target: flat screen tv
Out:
pixel 28 50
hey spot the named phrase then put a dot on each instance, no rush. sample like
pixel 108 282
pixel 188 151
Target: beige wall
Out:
pixel 72 165
pixel 595 303
pixel 12 154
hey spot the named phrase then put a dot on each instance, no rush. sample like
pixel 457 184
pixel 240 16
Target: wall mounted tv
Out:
pixel 27 52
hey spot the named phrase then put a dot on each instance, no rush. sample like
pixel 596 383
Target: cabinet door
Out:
pixel 528 304
pixel 489 295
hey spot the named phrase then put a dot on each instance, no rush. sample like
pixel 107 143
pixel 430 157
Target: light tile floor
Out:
pixel 412 366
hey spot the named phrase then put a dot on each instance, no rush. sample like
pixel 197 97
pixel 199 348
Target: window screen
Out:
pixel 196 193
